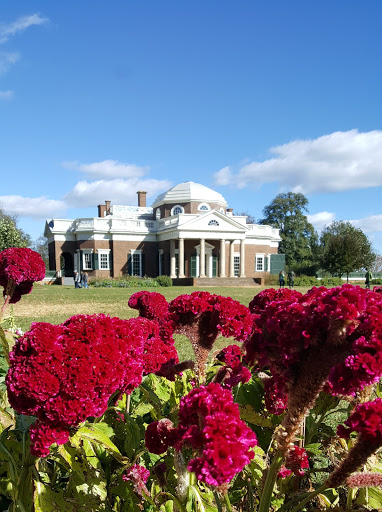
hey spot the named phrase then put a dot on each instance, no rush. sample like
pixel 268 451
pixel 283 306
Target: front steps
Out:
pixel 226 281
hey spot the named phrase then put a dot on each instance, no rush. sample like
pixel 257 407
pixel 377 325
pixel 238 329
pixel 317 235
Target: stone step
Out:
pixel 226 281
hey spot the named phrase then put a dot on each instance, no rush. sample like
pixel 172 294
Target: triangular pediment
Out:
pixel 212 220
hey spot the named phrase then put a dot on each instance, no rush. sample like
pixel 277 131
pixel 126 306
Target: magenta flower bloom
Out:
pixel 202 317
pixel 233 372
pixel 66 373
pixel 295 337
pixel 210 424
pixel 19 269
pixel 366 420
pixel 138 475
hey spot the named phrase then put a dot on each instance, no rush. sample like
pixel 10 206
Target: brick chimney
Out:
pixel 229 212
pixel 101 210
pixel 141 198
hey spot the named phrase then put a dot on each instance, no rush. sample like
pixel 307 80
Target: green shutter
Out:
pixel 193 266
pixel 214 266
pixel 143 262
pixel 95 261
pixel 266 263
pixel 277 263
pixel 81 261
pixel 111 263
pixel 129 267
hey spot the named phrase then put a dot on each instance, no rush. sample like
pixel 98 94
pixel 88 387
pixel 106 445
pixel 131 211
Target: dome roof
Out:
pixel 190 191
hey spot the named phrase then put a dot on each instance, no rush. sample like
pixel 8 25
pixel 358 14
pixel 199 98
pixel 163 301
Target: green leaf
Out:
pixel 251 393
pixel 249 415
pixel 46 500
pixel 313 448
pixel 371 497
pixel 142 409
pixel 95 435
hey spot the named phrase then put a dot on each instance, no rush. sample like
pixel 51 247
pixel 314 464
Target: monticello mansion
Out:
pixel 187 232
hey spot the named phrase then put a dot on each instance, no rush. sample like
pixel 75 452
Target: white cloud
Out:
pixel 331 163
pixel 118 191
pixel 38 207
pixel 6 95
pixel 11 29
pixel 321 219
pixel 7 59
pixel 108 169
pixel 223 177
pixel 372 224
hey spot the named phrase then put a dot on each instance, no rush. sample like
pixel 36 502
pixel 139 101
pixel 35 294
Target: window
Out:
pixel 157 214
pixel 213 222
pixel 136 263
pixel 87 261
pixel 203 207
pixel 236 265
pixel 176 210
pixel 259 263
pixel 104 260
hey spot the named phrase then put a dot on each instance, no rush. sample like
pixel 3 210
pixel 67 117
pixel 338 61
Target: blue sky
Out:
pixel 251 98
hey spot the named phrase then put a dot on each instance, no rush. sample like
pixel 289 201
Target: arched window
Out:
pixel 213 222
pixel 203 207
pixel 176 210
pixel 157 214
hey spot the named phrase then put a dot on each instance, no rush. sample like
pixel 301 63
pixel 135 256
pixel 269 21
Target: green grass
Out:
pixel 54 304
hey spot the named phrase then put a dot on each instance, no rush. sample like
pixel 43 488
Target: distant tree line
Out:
pixel 340 249
pixel 12 236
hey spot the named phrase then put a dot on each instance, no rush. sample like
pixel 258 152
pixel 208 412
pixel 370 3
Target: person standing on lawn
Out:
pixel 368 278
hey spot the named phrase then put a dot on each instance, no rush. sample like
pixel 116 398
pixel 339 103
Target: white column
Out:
pixel 202 258
pixel 172 259
pixel 242 258
pixel 222 258
pixel 231 255
pixel 181 257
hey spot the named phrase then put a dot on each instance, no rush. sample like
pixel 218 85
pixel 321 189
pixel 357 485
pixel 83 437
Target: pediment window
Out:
pixel 213 222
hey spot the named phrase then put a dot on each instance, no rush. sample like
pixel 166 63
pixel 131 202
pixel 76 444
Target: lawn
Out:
pixel 55 304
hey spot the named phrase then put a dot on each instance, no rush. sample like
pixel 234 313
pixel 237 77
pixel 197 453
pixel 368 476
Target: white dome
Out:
pixel 190 191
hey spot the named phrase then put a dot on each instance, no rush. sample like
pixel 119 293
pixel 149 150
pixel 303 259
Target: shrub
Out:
pixel 164 280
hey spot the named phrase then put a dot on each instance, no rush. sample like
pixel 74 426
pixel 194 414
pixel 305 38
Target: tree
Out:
pixel 10 234
pixel 299 239
pixel 377 265
pixel 41 246
pixel 250 218
pixel 345 249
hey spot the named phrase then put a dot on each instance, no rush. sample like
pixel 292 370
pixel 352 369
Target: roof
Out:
pixel 190 191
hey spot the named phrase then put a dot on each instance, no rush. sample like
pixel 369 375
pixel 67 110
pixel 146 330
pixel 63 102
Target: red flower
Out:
pixel 66 373
pixel 366 420
pixel 202 317
pixel 210 423
pixel 138 475
pixel 19 269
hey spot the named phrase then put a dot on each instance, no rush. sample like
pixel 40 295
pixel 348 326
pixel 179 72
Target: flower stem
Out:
pixel 310 496
pixel 227 502
pixel 270 481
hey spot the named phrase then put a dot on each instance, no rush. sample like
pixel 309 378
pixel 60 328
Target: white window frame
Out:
pixel 103 252
pixel 157 214
pixel 259 259
pixel 214 223
pixel 175 207
pixel 236 264
pixel 137 252
pixel 204 207
pixel 87 252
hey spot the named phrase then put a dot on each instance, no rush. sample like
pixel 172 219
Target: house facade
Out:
pixel 187 232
